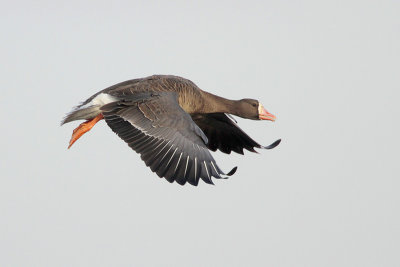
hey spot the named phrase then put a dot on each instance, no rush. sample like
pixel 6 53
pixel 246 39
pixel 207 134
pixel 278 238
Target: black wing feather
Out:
pixel 225 135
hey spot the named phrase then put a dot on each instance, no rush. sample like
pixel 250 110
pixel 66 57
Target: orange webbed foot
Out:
pixel 83 128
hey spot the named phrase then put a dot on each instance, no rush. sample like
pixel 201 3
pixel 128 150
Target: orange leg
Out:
pixel 83 128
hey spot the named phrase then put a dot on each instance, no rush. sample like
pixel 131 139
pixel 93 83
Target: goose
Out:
pixel 172 124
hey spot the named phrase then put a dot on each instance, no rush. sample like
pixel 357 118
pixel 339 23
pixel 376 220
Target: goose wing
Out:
pixel 169 142
pixel 225 135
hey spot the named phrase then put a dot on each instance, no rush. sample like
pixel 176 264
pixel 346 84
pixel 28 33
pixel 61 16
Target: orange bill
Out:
pixel 265 115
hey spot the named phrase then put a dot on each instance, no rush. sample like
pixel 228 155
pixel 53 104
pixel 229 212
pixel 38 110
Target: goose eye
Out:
pixel 254 105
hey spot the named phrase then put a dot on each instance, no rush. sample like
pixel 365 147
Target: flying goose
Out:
pixel 172 124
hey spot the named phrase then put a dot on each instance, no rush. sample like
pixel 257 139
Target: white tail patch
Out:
pixel 100 100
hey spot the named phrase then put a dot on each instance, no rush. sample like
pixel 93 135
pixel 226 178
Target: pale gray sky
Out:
pixel 327 196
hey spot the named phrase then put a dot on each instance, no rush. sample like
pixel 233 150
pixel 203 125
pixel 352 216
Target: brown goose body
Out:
pixel 173 124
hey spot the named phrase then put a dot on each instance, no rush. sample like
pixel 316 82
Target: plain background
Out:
pixel 327 196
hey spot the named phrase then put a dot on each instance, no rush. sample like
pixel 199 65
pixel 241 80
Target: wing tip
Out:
pixel 232 172
pixel 273 145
